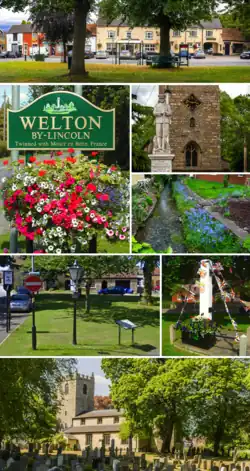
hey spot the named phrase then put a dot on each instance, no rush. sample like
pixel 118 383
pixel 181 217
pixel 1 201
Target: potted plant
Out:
pixel 199 332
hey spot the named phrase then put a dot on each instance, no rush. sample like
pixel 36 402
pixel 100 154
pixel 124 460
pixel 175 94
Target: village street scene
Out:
pixel 64 167
pixel 206 305
pixel 98 42
pixel 63 305
pixel 82 414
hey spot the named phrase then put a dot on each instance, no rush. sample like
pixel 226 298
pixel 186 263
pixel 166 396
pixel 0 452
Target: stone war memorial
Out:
pixel 186 130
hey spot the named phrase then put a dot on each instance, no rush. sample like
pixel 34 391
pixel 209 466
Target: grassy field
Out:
pixel 58 72
pixel 221 319
pixel 212 190
pixel 103 245
pixel 97 332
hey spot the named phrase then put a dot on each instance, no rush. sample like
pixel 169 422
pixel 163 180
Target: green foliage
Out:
pixel 143 131
pixel 28 396
pixel 235 127
pixel 246 244
pixel 137 247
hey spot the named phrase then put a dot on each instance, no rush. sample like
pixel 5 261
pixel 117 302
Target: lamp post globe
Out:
pixel 76 272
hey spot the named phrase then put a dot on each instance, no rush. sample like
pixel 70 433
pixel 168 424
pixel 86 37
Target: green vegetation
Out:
pixel 33 72
pixel 214 190
pixel 96 332
pixel 203 398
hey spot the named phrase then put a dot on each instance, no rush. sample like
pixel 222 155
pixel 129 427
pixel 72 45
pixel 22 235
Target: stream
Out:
pixel 163 228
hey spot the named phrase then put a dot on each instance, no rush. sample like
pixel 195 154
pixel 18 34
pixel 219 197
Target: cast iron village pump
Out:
pixel 76 273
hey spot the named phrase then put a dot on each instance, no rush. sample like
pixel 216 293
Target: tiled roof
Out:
pixel 101 413
pixel 91 28
pixel 20 29
pixel 232 34
pixel 93 429
pixel 116 22
pixel 213 24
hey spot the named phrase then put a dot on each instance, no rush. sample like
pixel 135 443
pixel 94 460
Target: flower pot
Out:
pixel 206 342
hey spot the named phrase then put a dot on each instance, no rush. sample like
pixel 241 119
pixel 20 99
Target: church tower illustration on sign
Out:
pixel 59 108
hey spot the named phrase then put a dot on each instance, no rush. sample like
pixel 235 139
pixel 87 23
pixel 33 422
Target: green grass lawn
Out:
pixel 221 319
pixel 58 72
pixel 97 332
pixel 103 245
pixel 213 190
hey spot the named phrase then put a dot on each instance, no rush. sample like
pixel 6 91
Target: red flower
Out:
pixel 71 159
pixel 94 154
pixel 71 151
pixel 59 152
pixel 6 162
pixel 32 159
pixel 102 197
pixel 42 173
pixel 21 161
pixel 113 168
pixel 91 187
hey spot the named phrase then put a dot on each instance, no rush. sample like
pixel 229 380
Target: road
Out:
pixel 210 61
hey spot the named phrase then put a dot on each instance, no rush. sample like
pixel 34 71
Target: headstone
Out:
pixel 60 460
pixel 116 465
pixel 2 464
pixel 143 462
pixel 184 467
pixel 170 467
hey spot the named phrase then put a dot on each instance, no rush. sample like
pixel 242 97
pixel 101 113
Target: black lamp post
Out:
pixel 76 273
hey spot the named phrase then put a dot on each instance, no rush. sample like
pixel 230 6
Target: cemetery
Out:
pixel 190 214
pixel 61 197
pixel 206 306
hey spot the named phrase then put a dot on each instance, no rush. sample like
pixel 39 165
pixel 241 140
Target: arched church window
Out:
pixel 192 122
pixel 191 154
pixel 66 389
pixel 85 389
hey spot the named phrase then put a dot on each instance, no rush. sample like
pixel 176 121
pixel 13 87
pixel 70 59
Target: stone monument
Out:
pixel 161 157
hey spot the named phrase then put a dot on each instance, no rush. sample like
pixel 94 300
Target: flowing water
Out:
pixel 163 228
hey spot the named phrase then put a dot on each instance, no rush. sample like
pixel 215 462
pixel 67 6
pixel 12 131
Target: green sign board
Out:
pixel 61 120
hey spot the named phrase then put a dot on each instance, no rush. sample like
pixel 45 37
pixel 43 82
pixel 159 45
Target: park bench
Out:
pixel 163 62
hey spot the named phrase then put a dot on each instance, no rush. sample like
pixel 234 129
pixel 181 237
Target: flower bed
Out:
pixel 62 204
pixel 198 332
pixel 202 232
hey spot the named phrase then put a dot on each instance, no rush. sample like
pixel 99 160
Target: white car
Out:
pixel 102 55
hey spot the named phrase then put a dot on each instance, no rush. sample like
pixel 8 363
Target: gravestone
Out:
pixel 170 467
pixel 60 460
pixel 2 464
pixel 143 462
pixel 116 465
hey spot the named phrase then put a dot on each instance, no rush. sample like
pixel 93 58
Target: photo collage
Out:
pixel 124 235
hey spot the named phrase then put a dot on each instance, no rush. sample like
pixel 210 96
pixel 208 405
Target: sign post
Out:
pixel 61 120
pixel 8 281
pixel 33 283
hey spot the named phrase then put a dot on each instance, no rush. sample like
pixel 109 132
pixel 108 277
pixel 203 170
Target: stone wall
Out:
pixel 206 130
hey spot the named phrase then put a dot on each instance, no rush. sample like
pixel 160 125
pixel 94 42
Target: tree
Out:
pixel 238 11
pixel 57 25
pixel 94 268
pixel 143 132
pixel 28 396
pixel 102 402
pixel 80 9
pixel 163 14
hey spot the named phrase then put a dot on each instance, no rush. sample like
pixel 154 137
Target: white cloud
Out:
pixel 102 380
pixel 8 16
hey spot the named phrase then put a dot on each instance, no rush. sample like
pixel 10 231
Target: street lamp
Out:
pixel 76 272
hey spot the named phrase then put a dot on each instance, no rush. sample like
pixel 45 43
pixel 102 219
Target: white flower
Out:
pixel 92 215
pixel 72 248
pixel 59 229
pixel 39 210
pixel 58 251
pixel 86 210
pixel 42 201
pixel 110 233
pixel 18 176
pixel 93 202
pixel 14 187
pixel 62 194
pixel 4 179
pixel 50 248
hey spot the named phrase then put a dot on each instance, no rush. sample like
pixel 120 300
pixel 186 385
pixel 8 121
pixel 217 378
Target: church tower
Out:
pixel 76 395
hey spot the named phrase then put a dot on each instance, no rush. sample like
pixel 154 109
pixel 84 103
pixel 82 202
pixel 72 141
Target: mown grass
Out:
pixel 97 332
pixel 58 72
pixel 213 190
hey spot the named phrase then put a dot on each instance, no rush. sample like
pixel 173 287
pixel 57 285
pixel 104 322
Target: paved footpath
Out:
pixel 16 320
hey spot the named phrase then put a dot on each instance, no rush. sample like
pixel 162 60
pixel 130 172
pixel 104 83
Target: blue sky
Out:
pixel 23 91
pixel 93 365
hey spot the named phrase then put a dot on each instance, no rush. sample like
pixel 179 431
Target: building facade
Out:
pixel 76 396
pixel 99 428
pixel 195 127
pixel 207 35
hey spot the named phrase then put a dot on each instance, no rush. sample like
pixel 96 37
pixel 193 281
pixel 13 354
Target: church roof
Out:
pixel 101 413
pixel 93 429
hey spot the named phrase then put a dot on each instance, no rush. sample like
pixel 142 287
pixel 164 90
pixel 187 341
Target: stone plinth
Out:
pixel 161 163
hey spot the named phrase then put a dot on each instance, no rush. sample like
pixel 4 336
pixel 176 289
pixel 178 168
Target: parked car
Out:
pixel 245 55
pixel 20 303
pixel 89 55
pixel 199 54
pixel 116 290
pixel 209 51
pixel 139 54
pixel 125 54
pixel 8 55
pixel 102 55
pixel 23 290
